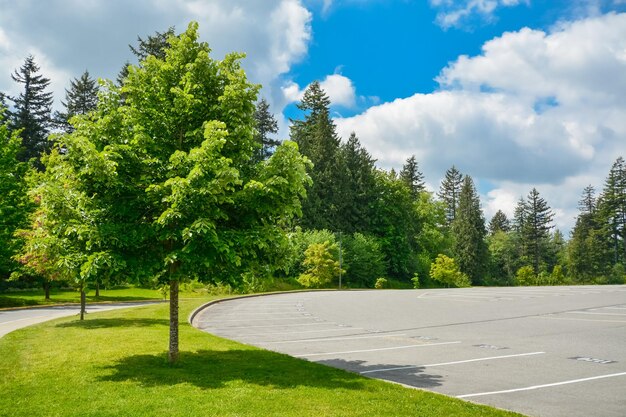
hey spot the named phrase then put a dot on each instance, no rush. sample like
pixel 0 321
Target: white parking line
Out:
pixel 597 314
pixel 266 319
pixel 430 365
pixel 374 350
pixel 573 381
pixel 577 319
pixel 326 323
pixel 332 339
pixel 342 329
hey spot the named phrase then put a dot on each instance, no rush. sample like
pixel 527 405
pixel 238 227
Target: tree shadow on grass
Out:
pixel 413 376
pixel 113 322
pixel 214 369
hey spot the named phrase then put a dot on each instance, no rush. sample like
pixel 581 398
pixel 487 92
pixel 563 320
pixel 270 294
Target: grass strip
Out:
pixel 115 364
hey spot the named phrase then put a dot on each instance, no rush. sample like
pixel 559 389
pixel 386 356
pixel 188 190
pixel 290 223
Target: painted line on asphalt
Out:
pixel 576 319
pixel 266 319
pixel 344 329
pixel 430 365
pixel 332 339
pixel 326 323
pixel 596 314
pixel 534 387
pixel 374 350
pixel 613 308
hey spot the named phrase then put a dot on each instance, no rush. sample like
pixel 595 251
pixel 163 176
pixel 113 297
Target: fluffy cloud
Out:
pixel 339 89
pixel 455 13
pixel 70 36
pixel 535 108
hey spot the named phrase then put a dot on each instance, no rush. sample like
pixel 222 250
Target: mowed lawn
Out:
pixel 115 364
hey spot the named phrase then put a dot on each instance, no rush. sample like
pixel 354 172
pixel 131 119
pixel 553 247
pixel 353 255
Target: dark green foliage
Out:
pixel 363 259
pixel 468 229
pixel 449 192
pixel 504 258
pixel 265 125
pixel 80 99
pixel 317 140
pixel 31 113
pixel 14 203
pixel 358 191
pixel 536 229
pixel 588 201
pixel 612 210
pixel 412 176
pixel 499 223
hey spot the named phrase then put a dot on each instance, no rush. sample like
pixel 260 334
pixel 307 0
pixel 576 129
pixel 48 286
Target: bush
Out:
pixel 618 274
pixel 380 283
pixel 416 281
pixel 364 260
pixel 445 271
pixel 321 265
pixel 526 276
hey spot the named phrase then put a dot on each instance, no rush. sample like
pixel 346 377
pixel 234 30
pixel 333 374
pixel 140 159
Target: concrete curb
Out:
pixel 194 313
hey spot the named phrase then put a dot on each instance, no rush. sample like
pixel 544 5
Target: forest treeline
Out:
pixel 94 195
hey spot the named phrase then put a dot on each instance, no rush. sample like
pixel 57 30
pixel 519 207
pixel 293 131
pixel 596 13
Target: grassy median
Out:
pixel 115 364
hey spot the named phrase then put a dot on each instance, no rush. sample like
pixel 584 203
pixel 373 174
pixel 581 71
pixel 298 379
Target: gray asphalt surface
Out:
pixel 11 320
pixel 541 351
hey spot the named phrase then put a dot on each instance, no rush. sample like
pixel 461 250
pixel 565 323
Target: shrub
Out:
pixel 526 276
pixel 321 265
pixel 445 271
pixel 364 260
pixel 380 283
pixel 416 281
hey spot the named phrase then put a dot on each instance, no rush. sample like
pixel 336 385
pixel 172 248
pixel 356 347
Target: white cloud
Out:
pixel 456 13
pixel 534 109
pixel 77 35
pixel 340 91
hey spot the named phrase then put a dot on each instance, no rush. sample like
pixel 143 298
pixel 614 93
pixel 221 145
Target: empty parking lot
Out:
pixel 542 351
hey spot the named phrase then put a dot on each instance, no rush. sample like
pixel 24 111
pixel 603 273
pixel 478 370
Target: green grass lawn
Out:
pixel 115 364
pixel 36 297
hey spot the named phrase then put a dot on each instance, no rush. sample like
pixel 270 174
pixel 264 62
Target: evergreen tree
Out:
pixel 412 176
pixel 587 203
pixel 31 111
pixel 449 192
pixel 468 229
pixel 154 45
pixel 499 223
pixel 536 228
pixel 519 215
pixel 318 140
pixel 612 207
pixel 80 99
pixel 358 193
pixel 265 125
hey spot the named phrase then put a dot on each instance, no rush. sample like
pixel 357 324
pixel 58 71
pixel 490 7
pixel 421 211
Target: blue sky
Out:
pixel 516 93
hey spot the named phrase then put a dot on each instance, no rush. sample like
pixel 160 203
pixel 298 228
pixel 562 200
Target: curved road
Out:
pixel 16 319
pixel 541 351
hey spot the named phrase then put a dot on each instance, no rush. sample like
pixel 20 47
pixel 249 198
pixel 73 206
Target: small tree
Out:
pixel 321 265
pixel 364 259
pixel 445 271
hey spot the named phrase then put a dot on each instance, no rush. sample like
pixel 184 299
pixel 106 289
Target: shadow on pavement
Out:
pixel 116 322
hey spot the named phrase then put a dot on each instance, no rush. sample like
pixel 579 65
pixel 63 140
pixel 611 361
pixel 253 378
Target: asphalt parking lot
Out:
pixel 541 351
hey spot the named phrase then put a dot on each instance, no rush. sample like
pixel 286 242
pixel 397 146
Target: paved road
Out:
pixel 16 319
pixel 541 351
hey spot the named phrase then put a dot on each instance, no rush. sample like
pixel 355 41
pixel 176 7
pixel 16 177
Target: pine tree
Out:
pixel 317 139
pixel 499 223
pixel 412 176
pixel 587 203
pixel 31 111
pixel 519 216
pixel 536 228
pixel 468 229
pixel 358 193
pixel 265 125
pixel 449 192
pixel 154 45
pixel 80 99
pixel 612 207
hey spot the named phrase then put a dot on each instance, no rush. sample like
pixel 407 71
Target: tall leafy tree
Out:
pixel 14 205
pixel 449 192
pixel 536 228
pixel 80 98
pixel 499 223
pixel 177 150
pixel 317 139
pixel 266 125
pixel 31 114
pixel 468 228
pixel 412 176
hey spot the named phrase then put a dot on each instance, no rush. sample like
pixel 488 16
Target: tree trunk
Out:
pixel 82 303
pixel 173 353
pixel 97 288
pixel 46 290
